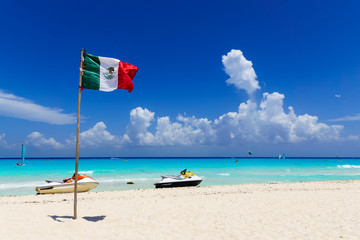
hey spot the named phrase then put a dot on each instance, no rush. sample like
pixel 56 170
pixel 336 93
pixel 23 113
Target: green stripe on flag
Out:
pixel 91 75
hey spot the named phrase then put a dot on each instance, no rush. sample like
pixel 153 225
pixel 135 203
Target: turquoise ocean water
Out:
pixel 114 173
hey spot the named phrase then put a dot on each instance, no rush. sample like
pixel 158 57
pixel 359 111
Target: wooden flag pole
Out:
pixel 77 137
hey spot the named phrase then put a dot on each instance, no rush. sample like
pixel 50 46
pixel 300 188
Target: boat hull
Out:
pixel 66 187
pixel 187 183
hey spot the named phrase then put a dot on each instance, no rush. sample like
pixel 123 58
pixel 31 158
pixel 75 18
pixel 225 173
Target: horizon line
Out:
pixel 180 157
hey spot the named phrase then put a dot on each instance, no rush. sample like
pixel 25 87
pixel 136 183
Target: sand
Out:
pixel 312 210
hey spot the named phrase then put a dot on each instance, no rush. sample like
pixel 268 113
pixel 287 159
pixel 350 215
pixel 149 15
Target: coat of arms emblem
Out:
pixel 110 74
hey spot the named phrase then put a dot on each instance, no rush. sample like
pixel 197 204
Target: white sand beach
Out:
pixel 311 210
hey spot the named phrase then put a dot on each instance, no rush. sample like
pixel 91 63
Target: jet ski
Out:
pixel 84 184
pixel 185 179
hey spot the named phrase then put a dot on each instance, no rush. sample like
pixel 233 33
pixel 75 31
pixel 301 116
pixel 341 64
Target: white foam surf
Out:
pixel 348 166
pixel 86 172
pixel 125 180
pixel 223 174
pixel 19 185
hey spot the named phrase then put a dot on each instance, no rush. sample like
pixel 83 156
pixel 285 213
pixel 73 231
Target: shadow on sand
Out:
pixel 95 218
pixel 87 218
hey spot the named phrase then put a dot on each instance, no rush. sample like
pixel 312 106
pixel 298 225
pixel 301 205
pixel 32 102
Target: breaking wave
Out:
pixel 125 179
pixel 20 185
pixel 348 166
pixel 86 172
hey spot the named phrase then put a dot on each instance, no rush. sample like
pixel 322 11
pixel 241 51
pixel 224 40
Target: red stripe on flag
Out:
pixel 126 74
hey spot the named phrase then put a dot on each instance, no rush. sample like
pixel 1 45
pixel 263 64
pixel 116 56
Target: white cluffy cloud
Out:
pixel 2 139
pixel 356 117
pixel 3 142
pixel 136 131
pixel 38 140
pixel 184 132
pixel 241 72
pixel 266 123
pixel 97 135
pixel 18 107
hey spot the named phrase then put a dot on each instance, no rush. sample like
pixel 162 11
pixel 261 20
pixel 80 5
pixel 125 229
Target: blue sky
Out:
pixel 303 55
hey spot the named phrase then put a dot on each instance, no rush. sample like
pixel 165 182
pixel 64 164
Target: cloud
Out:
pixel 353 137
pixel 337 95
pixel 186 131
pixel 3 142
pixel 266 123
pixel 241 72
pixel 38 140
pixel 136 131
pixel 2 139
pixel 97 135
pixel 18 107
pixel 356 117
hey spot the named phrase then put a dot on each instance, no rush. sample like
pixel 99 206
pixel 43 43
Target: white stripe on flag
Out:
pixel 108 74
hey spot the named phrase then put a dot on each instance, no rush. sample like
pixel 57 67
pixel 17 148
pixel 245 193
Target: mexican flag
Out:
pixel 107 74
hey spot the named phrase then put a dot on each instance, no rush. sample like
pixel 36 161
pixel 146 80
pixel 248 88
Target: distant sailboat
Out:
pixel 282 156
pixel 23 152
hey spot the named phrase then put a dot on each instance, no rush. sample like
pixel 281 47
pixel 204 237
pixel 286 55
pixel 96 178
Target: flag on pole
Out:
pixel 107 74
pixel 104 74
